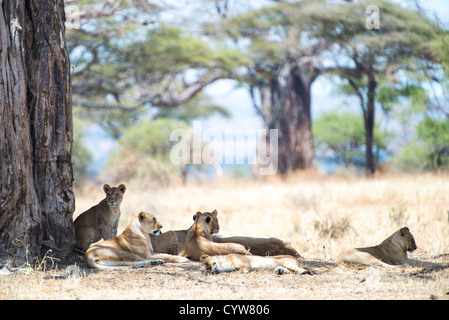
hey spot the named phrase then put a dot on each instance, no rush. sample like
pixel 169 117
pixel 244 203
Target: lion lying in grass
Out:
pixel 170 243
pixel 245 263
pixel 261 246
pixel 199 240
pixel 131 248
pixel 392 251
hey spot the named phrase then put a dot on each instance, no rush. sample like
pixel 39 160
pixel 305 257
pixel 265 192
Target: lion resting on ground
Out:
pixel 101 221
pixel 392 251
pixel 168 243
pixel 199 240
pixel 173 241
pixel 131 248
pixel 261 246
pixel 234 262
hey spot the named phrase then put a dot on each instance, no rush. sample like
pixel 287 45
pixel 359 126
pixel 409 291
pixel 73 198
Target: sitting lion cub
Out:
pixel 392 251
pixel 234 262
pixel 199 240
pixel 101 221
pixel 131 248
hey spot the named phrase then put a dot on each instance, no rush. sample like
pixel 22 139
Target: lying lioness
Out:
pixel 261 246
pixel 392 251
pixel 174 240
pixel 171 243
pixel 199 240
pixel 246 263
pixel 131 248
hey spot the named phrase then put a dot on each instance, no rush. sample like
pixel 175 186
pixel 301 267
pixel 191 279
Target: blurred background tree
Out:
pixel 343 133
pixel 132 71
pixel 279 77
pixel 405 47
pixel 140 67
pixel 429 148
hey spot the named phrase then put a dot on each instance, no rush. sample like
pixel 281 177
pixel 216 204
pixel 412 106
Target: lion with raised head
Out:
pixel 169 243
pixel 132 247
pixel 392 251
pixel 199 240
pixel 244 263
pixel 101 221
pixel 173 241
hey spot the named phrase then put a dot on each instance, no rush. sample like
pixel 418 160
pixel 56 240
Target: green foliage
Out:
pixel 389 94
pixel 81 156
pixel 435 135
pixel 201 106
pixel 144 152
pixel 411 157
pixel 133 69
pixel 152 137
pixel 429 150
pixel 165 50
pixel 344 134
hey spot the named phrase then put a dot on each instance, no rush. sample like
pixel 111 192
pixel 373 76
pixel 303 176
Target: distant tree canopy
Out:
pixel 129 66
pixel 344 134
pixel 429 149
pixel 291 44
pixel 405 46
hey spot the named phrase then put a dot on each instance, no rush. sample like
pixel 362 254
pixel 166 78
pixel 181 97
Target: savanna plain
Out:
pixel 320 215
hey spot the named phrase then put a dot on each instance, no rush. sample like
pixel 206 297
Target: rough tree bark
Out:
pixel 284 103
pixel 368 116
pixel 36 197
pixel 295 122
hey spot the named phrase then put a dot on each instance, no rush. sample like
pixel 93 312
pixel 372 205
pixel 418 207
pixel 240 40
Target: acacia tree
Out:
pixel 280 78
pixel 405 46
pixel 36 198
pixel 126 60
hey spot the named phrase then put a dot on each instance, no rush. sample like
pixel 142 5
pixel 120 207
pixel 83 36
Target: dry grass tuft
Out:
pixel 332 227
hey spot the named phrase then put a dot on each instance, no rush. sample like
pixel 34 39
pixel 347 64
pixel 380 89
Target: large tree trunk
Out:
pixel 368 116
pixel 36 197
pixel 296 142
pixel 291 116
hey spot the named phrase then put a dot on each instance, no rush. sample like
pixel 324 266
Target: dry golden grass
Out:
pixel 319 215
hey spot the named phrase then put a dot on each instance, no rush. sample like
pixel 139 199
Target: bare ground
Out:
pixel 190 281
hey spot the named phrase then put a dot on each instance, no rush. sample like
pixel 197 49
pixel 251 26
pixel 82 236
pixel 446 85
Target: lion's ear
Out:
pixel 122 188
pixel 196 215
pixel 106 188
pixel 403 231
pixel 215 212
pixel 141 216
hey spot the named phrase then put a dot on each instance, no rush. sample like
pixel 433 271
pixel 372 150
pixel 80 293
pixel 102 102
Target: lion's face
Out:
pixel 408 239
pixel 114 195
pixel 210 263
pixel 149 223
pixel 209 220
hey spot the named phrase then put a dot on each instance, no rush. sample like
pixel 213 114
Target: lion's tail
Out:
pixel 107 264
